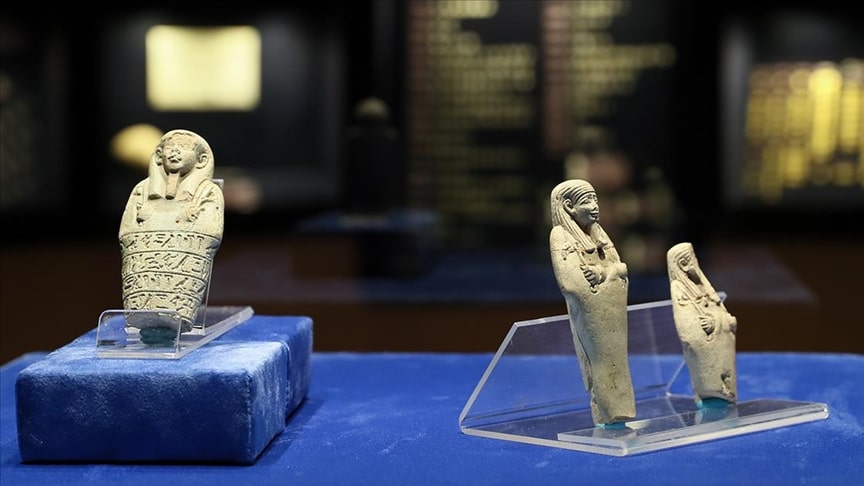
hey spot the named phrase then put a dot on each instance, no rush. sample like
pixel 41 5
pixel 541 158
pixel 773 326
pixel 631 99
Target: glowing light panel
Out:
pixel 203 69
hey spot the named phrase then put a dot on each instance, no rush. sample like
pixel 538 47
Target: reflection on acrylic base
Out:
pixel 156 334
pixel 532 392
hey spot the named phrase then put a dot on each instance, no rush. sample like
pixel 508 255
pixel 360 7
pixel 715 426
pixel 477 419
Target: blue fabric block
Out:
pixel 224 402
pixel 392 419
pixel 296 332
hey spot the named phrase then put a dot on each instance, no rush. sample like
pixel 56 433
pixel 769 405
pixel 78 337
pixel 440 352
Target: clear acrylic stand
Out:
pixel 119 333
pixel 532 392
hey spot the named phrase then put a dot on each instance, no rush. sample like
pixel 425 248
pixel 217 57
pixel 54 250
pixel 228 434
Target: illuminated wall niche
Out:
pixel 203 69
pixel 265 87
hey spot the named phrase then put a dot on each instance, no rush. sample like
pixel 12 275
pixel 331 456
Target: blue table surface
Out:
pixel 393 419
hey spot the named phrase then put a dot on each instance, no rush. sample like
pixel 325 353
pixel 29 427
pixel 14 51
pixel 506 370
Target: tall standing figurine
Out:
pixel 169 233
pixel 705 327
pixel 593 280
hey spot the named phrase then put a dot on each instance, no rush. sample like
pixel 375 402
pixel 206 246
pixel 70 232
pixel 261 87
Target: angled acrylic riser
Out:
pixel 119 332
pixel 532 392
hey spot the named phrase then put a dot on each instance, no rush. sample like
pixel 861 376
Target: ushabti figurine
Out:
pixel 705 327
pixel 170 231
pixel 593 281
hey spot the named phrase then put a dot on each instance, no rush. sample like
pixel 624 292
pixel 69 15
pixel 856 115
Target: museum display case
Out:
pixel 386 170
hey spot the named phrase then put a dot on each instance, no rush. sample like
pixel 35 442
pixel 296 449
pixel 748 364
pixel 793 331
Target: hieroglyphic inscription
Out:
pixel 167 270
pixel 185 306
pixel 165 261
pixel 182 284
pixel 168 240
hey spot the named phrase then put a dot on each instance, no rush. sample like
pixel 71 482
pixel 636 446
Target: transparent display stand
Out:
pixel 157 334
pixel 532 392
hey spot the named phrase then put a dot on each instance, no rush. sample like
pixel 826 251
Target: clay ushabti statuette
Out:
pixel 705 327
pixel 593 280
pixel 170 231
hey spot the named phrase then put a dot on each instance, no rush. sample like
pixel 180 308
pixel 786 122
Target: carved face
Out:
pixel 178 155
pixel 584 210
pixel 685 263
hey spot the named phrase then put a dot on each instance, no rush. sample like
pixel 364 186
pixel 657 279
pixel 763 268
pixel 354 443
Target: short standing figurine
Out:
pixel 593 280
pixel 169 234
pixel 706 328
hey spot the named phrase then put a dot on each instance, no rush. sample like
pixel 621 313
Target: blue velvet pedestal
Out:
pixel 392 419
pixel 224 402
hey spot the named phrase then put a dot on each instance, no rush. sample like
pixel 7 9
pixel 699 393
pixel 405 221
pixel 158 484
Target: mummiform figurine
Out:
pixel 169 233
pixel 594 283
pixel 706 329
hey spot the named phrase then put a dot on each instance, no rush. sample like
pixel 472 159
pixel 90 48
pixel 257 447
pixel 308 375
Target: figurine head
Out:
pixel 181 161
pixel 181 150
pixel 681 261
pixel 575 200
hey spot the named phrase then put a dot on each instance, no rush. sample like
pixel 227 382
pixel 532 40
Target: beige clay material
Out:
pixel 171 229
pixel 706 329
pixel 593 281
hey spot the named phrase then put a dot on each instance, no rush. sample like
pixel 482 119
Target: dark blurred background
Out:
pixel 387 165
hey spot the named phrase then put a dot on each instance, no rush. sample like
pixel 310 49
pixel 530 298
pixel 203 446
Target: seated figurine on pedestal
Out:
pixel 593 280
pixel 705 327
pixel 169 234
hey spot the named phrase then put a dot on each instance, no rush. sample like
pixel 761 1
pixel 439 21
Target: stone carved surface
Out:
pixel 705 327
pixel 593 281
pixel 171 229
